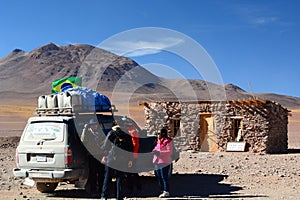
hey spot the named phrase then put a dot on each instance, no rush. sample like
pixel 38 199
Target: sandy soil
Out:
pixel 196 175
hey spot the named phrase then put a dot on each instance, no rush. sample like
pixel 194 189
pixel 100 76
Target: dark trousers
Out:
pixel 96 175
pixel 109 173
pixel 163 174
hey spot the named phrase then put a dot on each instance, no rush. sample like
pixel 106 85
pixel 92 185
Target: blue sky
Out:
pixel 249 41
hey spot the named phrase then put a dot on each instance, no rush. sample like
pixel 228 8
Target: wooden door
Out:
pixel 208 133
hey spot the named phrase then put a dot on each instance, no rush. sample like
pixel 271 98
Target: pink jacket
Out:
pixel 165 149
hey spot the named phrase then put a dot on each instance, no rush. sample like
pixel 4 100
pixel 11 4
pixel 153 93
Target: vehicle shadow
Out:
pixel 181 186
pixel 192 186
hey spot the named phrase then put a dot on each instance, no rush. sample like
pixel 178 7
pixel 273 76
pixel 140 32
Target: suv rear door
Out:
pixel 43 145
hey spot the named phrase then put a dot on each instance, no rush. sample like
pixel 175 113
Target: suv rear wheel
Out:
pixel 46 187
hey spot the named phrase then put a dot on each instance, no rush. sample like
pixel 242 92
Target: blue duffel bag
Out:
pixel 91 100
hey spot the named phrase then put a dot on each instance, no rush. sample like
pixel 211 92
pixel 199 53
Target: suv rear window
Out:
pixel 44 131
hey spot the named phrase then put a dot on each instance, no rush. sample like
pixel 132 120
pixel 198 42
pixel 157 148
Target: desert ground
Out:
pixel 202 175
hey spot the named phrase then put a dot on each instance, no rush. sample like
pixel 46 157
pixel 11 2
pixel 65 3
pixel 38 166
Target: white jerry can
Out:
pixel 68 100
pixel 76 102
pixel 64 101
pixel 42 102
pixel 60 101
pixel 51 101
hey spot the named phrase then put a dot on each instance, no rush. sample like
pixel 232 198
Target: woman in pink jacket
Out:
pixel 162 161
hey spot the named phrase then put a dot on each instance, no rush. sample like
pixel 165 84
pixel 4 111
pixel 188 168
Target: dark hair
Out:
pixel 164 132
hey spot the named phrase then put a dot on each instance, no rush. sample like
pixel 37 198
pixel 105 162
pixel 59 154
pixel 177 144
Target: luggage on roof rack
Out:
pixel 74 100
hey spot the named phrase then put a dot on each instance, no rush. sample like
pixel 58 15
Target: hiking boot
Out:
pixel 164 194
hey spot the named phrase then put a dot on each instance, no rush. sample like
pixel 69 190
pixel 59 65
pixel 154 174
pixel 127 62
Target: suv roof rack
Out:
pixel 71 111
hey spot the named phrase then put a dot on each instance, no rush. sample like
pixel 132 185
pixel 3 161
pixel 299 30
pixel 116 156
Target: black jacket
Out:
pixel 118 147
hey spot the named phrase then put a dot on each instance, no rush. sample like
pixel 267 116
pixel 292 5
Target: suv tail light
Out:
pixel 68 157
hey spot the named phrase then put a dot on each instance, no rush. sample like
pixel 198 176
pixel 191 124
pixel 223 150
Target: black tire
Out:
pixel 87 187
pixel 46 187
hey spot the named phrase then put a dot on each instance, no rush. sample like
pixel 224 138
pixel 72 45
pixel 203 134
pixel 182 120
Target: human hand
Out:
pixel 130 164
pixel 104 160
pixel 155 152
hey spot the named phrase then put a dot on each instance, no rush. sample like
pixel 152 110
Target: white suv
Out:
pixel 50 150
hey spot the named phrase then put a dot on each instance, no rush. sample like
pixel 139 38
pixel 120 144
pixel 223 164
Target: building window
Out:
pixel 174 127
pixel 237 129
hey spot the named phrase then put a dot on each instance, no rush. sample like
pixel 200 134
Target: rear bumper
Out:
pixel 49 174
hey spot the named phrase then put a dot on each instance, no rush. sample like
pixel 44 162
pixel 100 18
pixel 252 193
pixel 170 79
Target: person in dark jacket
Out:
pixel 118 148
pixel 92 138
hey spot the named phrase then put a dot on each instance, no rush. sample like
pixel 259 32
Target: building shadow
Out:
pixel 293 151
pixel 182 186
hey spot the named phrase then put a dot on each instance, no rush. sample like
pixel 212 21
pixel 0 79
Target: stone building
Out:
pixel 256 125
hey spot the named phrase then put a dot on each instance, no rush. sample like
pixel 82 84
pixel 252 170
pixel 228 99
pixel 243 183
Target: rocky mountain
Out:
pixel 32 74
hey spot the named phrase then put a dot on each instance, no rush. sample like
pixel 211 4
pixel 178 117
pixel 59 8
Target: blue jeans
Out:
pixel 163 174
pixel 109 173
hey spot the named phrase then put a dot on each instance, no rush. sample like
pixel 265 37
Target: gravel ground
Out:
pixel 195 176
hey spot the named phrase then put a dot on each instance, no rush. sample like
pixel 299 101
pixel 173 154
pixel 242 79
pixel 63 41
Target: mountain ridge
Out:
pixel 33 72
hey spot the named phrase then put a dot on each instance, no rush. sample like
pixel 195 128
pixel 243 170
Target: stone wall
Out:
pixel 190 118
pixel 264 123
pixel 158 115
pixel 264 126
pixel 277 140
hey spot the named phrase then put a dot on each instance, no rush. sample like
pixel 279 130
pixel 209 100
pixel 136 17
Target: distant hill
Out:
pixel 34 71
pixel 32 74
